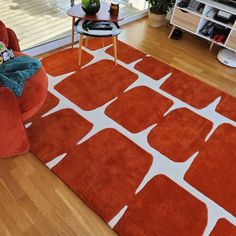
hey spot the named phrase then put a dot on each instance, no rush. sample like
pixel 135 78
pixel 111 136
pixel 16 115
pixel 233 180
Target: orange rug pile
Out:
pixel 150 149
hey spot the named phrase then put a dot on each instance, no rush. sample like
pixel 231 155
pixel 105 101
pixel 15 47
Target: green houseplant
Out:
pixel 158 10
pixel 90 7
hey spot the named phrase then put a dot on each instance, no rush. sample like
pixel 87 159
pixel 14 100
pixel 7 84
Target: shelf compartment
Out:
pixel 231 42
pixel 219 5
pixel 186 19
pixel 210 38
pixel 214 11
pixel 230 26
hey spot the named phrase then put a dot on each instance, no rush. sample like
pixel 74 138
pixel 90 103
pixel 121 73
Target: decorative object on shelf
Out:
pixel 211 13
pixel 114 8
pixel 196 6
pixel 207 29
pixel 223 16
pixel 90 7
pixel 157 11
pixel 183 4
pixel 220 33
pixel 227 57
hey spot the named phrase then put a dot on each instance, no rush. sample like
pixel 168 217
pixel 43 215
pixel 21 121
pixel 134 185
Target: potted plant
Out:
pixel 158 10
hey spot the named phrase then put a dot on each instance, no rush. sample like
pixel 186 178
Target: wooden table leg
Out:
pixel 73 32
pixel 86 41
pixel 115 49
pixel 171 32
pixel 80 49
pixel 211 46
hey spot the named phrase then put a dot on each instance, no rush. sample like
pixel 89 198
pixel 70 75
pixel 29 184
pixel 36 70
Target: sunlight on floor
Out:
pixel 40 21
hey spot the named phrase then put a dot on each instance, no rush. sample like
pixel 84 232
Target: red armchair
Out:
pixel 35 89
pixel 16 110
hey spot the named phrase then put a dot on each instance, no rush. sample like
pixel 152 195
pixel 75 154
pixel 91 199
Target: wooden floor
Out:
pixel 40 21
pixel 34 202
pixel 190 54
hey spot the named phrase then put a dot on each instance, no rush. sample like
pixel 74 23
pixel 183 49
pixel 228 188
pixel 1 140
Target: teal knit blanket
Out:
pixel 15 72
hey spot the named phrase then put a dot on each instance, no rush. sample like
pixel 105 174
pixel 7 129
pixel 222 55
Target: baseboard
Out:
pixel 67 40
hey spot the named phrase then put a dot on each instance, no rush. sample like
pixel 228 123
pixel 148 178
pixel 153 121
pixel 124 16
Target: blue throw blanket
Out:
pixel 15 72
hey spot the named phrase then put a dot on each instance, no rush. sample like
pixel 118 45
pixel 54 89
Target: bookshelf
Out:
pixel 193 21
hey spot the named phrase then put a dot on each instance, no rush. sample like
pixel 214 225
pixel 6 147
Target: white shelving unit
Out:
pixel 193 21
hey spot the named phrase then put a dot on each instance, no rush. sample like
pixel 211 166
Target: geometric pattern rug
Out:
pixel 148 147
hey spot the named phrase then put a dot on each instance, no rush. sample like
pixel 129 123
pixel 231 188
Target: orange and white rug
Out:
pixel 149 148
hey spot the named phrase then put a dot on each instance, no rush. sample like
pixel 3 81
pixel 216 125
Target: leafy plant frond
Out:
pixel 160 6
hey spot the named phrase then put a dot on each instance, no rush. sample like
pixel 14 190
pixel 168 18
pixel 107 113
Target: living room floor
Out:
pixel 34 201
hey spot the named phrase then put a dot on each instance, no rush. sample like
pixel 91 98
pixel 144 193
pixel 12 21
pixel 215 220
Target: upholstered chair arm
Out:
pixel 13 41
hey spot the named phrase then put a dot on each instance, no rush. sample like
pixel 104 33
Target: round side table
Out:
pixel 81 27
pixel 76 12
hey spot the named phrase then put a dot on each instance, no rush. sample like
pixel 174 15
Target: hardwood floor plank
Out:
pixel 31 231
pixel 4 231
pixel 30 189
pixel 9 222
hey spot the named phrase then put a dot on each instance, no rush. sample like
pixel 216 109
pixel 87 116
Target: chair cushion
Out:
pixel 13 138
pixel 34 93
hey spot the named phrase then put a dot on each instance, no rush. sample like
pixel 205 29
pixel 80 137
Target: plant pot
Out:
pixel 156 20
pixel 90 7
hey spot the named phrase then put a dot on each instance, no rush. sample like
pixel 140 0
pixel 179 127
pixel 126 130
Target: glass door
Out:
pixel 38 22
